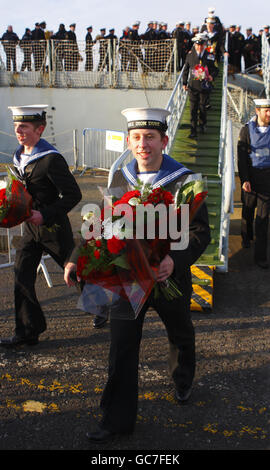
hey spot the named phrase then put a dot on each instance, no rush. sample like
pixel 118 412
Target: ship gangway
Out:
pixel 211 155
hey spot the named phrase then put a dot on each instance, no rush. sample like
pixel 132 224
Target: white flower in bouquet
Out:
pixel 3 184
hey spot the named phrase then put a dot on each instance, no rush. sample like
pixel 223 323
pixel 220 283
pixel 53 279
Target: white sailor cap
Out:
pixel 211 10
pixel 200 38
pixel 146 118
pixel 136 23
pixel 210 20
pixel 262 103
pixel 28 113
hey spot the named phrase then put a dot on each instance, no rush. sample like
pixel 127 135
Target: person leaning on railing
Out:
pixel 72 55
pixel 112 41
pixel 124 49
pixel 26 46
pixel 103 46
pixel 135 48
pixel 59 46
pixel 164 49
pixel 89 49
pixel 9 41
pixel 39 46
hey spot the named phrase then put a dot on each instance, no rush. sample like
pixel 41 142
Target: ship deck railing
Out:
pixel 101 64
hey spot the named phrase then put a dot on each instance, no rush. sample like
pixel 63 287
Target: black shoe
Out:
pixel 99 321
pixel 18 340
pixel 262 264
pixel 100 436
pixel 182 397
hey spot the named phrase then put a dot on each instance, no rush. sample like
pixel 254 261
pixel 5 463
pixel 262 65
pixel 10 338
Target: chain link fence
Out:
pixel 104 63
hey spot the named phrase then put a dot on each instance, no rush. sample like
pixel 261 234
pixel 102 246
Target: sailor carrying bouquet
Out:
pixel 199 82
pixel 51 191
pixel 147 141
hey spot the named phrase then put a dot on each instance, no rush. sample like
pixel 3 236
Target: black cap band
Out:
pixel 147 124
pixel 30 117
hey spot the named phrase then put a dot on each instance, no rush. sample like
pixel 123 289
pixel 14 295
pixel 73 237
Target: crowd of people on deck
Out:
pixel 131 43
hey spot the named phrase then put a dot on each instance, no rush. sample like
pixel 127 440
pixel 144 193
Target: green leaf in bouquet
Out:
pixel 121 261
pixel 188 191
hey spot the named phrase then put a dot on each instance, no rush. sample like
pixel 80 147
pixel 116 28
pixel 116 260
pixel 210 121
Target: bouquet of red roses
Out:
pixel 119 266
pixel 199 72
pixel 15 202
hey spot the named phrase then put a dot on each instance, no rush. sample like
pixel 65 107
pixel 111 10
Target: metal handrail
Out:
pixel 266 64
pixel 223 111
pixel 229 172
pixel 176 108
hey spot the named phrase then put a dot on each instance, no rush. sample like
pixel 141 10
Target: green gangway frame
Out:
pixel 202 155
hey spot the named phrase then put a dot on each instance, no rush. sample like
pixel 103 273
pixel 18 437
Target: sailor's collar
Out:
pixel 41 149
pixel 253 122
pixel 169 171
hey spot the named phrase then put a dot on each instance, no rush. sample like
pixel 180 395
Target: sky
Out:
pixel 121 13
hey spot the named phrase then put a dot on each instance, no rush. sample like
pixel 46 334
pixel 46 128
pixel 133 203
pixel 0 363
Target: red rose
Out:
pixel 98 243
pixel 97 254
pixel 115 245
pixel 3 194
pixel 81 264
pixel 127 196
pixel 159 195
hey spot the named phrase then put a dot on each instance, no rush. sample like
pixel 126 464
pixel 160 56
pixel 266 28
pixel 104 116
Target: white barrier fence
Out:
pixel 101 147
pixel 7 251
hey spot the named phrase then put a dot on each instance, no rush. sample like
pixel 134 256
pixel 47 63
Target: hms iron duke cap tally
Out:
pixel 262 103
pixel 146 118
pixel 28 113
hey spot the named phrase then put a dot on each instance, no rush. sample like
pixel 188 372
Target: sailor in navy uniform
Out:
pixel 198 90
pixel 147 140
pixel 89 49
pixel 218 24
pixel 236 43
pixel 54 192
pixel 135 52
pixel 215 41
pixel 251 49
pixel 254 173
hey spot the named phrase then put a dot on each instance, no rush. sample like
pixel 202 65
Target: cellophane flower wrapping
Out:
pixel 119 273
pixel 200 72
pixel 15 202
